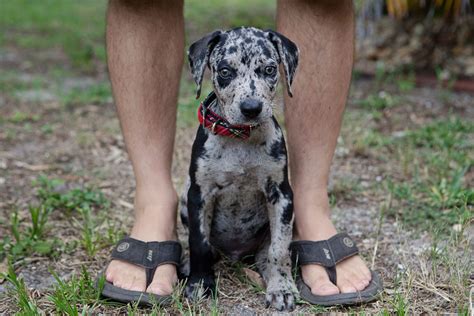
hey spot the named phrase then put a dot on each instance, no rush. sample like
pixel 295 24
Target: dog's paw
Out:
pixel 281 300
pixel 200 286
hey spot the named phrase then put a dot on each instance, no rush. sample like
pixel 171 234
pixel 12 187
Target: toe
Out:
pixel 159 288
pixel 361 284
pixel 125 276
pixel 347 287
pixel 136 286
pixel 317 279
pixel 163 280
pixel 324 289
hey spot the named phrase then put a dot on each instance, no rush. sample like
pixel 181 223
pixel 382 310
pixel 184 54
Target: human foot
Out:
pixel 352 273
pixel 152 223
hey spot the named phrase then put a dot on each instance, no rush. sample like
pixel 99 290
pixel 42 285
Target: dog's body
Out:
pixel 237 199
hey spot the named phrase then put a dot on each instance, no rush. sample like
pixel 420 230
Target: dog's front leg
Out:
pixel 201 275
pixel 281 289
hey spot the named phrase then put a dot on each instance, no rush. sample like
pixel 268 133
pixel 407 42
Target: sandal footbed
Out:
pixel 128 296
pixel 369 294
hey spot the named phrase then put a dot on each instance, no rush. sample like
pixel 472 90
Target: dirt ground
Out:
pixel 53 125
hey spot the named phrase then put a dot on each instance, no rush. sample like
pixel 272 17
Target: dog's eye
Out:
pixel 225 73
pixel 270 70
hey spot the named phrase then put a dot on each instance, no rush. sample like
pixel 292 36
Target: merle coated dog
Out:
pixel 237 200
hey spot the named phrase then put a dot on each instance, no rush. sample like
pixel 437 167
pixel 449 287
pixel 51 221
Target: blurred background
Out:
pixel 402 181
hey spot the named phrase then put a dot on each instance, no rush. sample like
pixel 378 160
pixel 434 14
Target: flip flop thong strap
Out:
pixel 326 253
pixel 148 255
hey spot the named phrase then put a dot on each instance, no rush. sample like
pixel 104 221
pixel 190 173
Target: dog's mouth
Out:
pixel 239 119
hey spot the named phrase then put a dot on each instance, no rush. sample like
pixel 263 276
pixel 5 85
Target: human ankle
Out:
pixel 155 213
pixel 149 198
pixel 155 227
pixel 313 217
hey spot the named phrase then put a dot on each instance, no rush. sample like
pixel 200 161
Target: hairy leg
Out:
pixel 324 33
pixel 145 48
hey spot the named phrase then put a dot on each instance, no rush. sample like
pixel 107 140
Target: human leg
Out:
pixel 145 47
pixel 324 33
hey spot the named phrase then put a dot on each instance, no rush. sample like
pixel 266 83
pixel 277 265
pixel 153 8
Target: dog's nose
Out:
pixel 251 108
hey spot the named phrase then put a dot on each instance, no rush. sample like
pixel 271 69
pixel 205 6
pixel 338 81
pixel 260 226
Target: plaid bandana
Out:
pixel 219 125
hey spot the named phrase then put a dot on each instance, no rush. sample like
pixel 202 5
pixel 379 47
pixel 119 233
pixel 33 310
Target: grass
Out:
pixel 25 303
pixel 377 102
pixel 32 236
pixel 78 291
pixel 435 193
pixel 77 28
pixel 96 94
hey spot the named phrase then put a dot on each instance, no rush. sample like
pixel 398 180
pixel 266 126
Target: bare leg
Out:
pixel 324 32
pixel 145 47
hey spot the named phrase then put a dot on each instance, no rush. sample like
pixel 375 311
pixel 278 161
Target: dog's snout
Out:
pixel 251 108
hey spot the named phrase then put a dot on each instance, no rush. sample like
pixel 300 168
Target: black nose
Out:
pixel 251 108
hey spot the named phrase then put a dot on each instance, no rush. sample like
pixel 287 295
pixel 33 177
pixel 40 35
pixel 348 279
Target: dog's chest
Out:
pixel 237 174
pixel 237 165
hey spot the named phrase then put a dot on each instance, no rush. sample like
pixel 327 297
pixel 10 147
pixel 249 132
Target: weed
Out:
pixel 406 83
pixel 377 102
pixel 39 217
pixel 89 237
pixel 96 94
pixel 442 134
pixel 69 201
pixel 25 303
pixel 435 194
pixel 47 129
pixel 30 240
pixel 78 291
pixel 31 237
pixel 21 117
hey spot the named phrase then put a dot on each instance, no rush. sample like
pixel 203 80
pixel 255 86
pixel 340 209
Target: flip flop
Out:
pixel 148 255
pixel 328 253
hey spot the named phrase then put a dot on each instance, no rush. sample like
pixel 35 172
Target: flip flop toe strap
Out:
pixel 148 255
pixel 326 253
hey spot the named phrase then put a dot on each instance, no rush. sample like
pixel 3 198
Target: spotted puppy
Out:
pixel 238 201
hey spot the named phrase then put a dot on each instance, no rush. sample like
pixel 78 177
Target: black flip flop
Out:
pixel 328 253
pixel 148 255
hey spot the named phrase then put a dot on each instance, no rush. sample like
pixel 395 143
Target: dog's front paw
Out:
pixel 199 286
pixel 281 300
pixel 281 293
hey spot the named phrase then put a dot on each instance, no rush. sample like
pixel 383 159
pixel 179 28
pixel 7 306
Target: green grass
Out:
pixel 52 196
pixel 378 101
pixel 31 236
pixel 78 291
pixel 25 303
pixel 76 27
pixel 435 193
pixel 97 94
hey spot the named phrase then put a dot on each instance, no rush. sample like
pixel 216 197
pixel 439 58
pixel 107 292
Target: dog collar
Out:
pixel 217 124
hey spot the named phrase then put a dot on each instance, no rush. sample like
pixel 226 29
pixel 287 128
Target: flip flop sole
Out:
pixel 128 296
pixel 369 294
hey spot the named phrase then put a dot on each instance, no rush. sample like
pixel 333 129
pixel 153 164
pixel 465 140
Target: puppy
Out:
pixel 237 200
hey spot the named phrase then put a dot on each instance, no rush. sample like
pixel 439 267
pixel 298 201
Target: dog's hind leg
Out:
pixel 183 203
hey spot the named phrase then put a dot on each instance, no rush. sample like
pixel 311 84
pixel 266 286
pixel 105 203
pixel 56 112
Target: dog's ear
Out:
pixel 288 52
pixel 198 56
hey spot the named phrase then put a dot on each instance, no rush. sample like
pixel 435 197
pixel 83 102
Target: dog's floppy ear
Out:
pixel 288 52
pixel 198 56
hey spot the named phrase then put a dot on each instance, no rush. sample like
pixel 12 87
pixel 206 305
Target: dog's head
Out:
pixel 244 65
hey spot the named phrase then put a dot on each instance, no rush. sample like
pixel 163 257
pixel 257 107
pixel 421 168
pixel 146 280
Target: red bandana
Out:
pixel 219 125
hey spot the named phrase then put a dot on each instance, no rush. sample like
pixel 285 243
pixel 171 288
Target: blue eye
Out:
pixel 225 73
pixel 270 70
